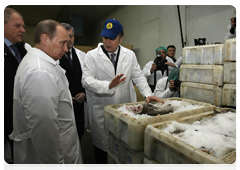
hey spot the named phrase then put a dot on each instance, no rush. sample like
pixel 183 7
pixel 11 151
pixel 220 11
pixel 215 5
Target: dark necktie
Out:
pixel 112 58
pixel 17 54
pixel 69 58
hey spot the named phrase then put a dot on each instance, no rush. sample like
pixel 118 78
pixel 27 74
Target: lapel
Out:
pixel 107 64
pixel 65 63
pixel 80 57
pixel 121 58
pixel 10 55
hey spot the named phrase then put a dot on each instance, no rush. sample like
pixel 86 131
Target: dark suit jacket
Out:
pixel 74 76
pixel 10 68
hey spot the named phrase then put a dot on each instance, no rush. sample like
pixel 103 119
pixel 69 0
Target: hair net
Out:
pixel 161 48
pixel 174 74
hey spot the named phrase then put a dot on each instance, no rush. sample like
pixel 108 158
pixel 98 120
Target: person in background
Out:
pixel 156 69
pixel 171 53
pixel 231 30
pixel 108 73
pixel 44 128
pixel 72 63
pixel 14 51
pixel 169 86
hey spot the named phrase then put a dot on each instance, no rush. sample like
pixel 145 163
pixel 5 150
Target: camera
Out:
pixel 177 84
pixel 159 61
pixel 200 41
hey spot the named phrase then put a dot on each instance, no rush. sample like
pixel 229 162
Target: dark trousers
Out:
pixel 100 156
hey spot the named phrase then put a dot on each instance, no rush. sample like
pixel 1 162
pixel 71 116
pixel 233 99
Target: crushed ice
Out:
pixel 217 134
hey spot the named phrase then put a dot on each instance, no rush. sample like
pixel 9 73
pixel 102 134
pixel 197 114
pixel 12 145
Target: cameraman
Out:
pixel 157 68
pixel 231 30
pixel 169 86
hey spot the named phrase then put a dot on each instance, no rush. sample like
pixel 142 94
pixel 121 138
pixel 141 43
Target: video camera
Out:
pixel 160 62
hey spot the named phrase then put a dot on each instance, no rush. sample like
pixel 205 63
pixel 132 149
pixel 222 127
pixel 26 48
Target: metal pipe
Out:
pixel 180 23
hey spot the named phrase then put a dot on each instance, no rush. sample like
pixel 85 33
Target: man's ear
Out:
pixel 44 39
pixel 120 41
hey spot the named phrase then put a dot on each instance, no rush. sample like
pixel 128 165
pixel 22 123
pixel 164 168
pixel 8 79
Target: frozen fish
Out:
pixel 150 109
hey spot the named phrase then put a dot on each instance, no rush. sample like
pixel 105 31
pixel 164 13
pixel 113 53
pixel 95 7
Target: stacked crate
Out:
pixel 208 73
pixel 164 148
pixel 229 88
pixel 126 134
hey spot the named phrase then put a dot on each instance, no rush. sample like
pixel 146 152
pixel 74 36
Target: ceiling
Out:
pixel 32 14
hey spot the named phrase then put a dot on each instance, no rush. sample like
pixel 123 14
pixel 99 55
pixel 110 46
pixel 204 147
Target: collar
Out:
pixel 70 50
pixel 7 42
pixel 43 55
pixel 114 52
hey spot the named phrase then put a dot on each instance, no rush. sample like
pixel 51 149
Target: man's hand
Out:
pixel 171 85
pixel 154 67
pixel 80 97
pixel 116 81
pixel 170 64
pixel 153 98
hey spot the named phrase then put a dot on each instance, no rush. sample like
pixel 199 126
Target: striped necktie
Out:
pixel 69 57
pixel 113 58
pixel 17 54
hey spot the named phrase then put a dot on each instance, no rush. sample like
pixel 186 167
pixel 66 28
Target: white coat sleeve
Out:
pixel 147 69
pixel 178 63
pixel 40 98
pixel 139 80
pixel 228 34
pixel 89 80
pixel 160 90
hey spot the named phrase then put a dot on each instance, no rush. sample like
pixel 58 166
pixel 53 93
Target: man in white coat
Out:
pixel 44 128
pixel 169 86
pixel 153 71
pixel 110 81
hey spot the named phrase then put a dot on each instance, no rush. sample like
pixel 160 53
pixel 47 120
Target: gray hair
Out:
pixel 7 14
pixel 68 27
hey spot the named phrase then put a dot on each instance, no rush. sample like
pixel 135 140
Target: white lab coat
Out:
pixel 228 35
pixel 44 129
pixel 162 91
pixel 178 63
pixel 98 73
pixel 150 76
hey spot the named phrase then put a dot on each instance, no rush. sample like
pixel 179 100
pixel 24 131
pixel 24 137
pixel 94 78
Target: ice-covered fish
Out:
pixel 150 109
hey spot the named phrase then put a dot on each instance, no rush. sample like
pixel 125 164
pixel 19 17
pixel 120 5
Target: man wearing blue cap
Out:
pixel 156 69
pixel 108 73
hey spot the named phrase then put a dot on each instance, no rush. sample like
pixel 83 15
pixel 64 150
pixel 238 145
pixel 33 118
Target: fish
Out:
pixel 150 109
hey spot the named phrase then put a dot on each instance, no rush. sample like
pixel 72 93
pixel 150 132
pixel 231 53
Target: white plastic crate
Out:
pixel 229 76
pixel 206 74
pixel 123 152
pixel 114 163
pixel 152 165
pixel 167 149
pixel 229 95
pixel 230 50
pixel 202 92
pixel 205 54
pixel 131 130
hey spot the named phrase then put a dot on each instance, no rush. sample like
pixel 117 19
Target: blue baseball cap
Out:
pixel 111 28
